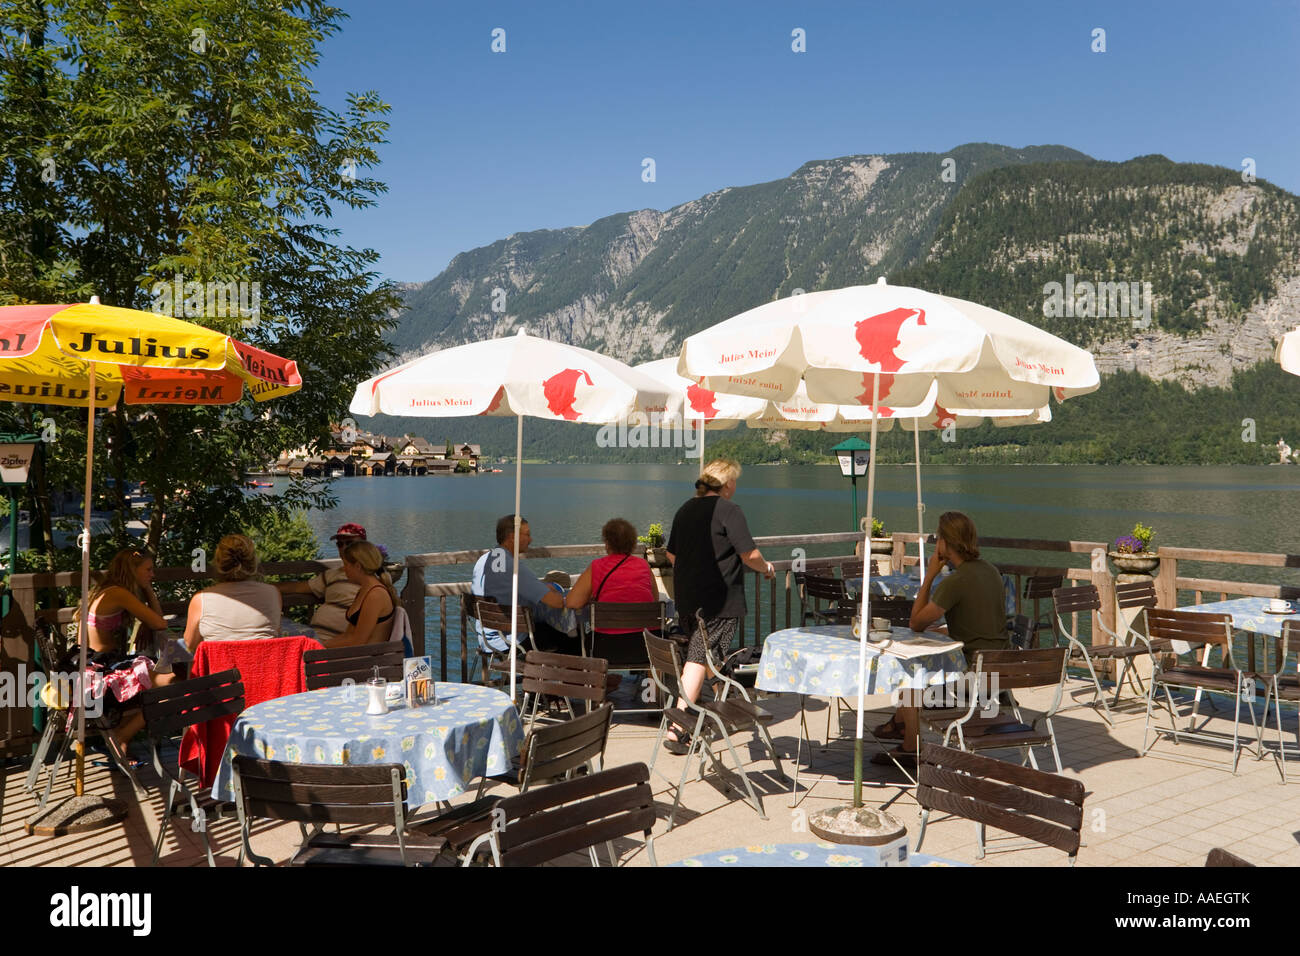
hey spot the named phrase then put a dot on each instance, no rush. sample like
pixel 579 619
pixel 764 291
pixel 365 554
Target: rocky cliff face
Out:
pixel 1221 258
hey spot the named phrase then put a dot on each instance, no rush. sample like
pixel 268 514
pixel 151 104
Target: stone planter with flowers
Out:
pixel 1133 555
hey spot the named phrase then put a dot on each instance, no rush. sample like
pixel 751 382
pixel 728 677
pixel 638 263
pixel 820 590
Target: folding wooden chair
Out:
pixel 373 794
pixel 1195 628
pixel 168 710
pixel 897 609
pixel 576 815
pixel 60 706
pixel 1280 687
pixel 1005 671
pixel 626 652
pixel 818 588
pixel 550 753
pixel 566 676
pixel 334 666
pixel 853 569
pixel 1044 807
pixel 701 719
pixel 496 617
pixel 1039 588
pixel 1086 599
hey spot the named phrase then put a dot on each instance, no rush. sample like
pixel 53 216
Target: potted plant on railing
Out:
pixel 881 541
pixel 656 554
pixel 1133 553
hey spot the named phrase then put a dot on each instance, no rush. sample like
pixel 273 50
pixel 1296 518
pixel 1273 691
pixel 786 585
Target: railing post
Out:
pixel 896 556
pixel 1105 585
pixel 442 632
pixel 413 603
pixel 1167 583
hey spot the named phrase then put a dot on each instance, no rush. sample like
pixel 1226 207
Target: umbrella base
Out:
pixel 77 815
pixel 858 826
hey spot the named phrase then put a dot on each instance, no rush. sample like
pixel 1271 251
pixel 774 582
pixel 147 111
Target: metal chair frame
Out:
pixel 641 615
pixel 1087 598
pixel 695 719
pixel 1167 625
pixel 361 809
pixel 994 664
pixel 173 708
pixel 57 720
pixel 1279 688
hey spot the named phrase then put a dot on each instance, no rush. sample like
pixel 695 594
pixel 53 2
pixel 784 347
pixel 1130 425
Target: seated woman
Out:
pixel 125 594
pixel 620 577
pixel 239 607
pixel 370 615
pixel 971 600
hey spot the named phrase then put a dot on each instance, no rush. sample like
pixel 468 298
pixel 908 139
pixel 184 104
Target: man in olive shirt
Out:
pixel 972 602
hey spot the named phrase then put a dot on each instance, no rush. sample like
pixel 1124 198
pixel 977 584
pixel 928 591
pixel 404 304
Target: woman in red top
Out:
pixel 620 577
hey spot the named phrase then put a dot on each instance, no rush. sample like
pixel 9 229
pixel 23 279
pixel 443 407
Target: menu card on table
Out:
pixel 417 675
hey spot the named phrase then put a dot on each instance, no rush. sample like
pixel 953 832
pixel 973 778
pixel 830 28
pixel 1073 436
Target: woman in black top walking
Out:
pixel 709 547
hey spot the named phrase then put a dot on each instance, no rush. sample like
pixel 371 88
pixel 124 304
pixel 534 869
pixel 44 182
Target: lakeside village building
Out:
pixel 378 455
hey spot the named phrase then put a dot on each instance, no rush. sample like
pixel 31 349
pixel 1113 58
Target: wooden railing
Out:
pixel 1169 584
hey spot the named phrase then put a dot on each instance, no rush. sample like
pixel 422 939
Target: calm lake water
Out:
pixel 1235 508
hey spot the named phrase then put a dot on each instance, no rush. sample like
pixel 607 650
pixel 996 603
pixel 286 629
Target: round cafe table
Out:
pixel 822 661
pixel 804 854
pixel 471 732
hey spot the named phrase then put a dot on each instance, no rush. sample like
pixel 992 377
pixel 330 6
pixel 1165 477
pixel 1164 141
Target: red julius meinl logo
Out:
pixel 878 338
pixel 702 400
pixel 561 391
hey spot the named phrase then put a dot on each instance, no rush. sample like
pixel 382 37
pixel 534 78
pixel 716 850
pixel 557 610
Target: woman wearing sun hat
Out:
pixel 332 588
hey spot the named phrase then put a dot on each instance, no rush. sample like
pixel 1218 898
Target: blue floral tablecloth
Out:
pixel 1248 615
pixel 804 854
pixel 472 732
pixel 823 661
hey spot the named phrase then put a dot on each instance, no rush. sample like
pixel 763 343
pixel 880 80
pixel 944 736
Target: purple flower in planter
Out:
pixel 1129 545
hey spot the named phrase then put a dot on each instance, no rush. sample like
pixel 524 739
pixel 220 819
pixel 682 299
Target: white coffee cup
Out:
pixel 1278 604
pixel 880 624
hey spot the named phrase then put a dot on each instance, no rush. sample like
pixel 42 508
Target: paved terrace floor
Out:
pixel 1166 809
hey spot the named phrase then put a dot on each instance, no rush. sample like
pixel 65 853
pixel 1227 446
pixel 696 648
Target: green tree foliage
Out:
pixel 186 140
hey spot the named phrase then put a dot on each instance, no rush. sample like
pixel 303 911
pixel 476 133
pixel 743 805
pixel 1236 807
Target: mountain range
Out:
pixel 1209 263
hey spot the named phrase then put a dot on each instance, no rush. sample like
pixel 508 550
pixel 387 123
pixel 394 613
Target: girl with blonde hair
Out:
pixel 370 616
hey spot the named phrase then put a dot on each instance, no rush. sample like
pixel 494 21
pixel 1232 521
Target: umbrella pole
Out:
pixel 865 623
pixel 920 505
pixel 82 632
pixel 514 582
pixel 701 442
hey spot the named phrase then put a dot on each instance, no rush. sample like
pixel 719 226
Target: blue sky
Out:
pixel 553 131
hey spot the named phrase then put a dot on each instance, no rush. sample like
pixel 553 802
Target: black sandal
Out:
pixel 682 745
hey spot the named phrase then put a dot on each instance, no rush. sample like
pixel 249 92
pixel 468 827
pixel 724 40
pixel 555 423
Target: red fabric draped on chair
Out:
pixel 270 668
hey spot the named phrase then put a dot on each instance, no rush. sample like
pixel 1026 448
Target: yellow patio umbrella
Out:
pixel 96 355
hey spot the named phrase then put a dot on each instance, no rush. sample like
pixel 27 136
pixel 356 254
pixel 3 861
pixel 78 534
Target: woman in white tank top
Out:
pixel 237 607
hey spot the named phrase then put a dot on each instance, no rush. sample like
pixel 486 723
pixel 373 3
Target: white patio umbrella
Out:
pixel 711 410
pixel 886 346
pixel 1288 352
pixel 517 375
